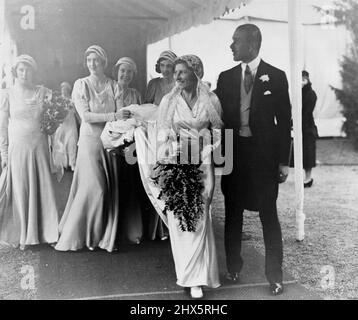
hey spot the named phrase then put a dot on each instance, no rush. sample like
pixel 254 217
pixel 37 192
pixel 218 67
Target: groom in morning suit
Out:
pixel 256 106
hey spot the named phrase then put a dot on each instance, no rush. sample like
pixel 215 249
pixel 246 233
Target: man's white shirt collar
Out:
pixel 253 65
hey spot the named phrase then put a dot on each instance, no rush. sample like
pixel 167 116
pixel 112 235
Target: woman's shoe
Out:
pixel 23 247
pixel 196 293
pixel 308 184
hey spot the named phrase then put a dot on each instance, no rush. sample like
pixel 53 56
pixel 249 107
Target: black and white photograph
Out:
pixel 179 151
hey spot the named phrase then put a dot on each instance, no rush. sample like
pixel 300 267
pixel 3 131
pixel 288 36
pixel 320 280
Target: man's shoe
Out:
pixel 276 288
pixel 232 278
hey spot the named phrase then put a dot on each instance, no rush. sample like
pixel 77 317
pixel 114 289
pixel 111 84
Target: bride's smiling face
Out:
pixel 184 77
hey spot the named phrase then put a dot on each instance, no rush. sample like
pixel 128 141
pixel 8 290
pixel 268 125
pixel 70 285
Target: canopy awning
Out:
pixel 157 19
pixel 153 20
pixel 177 16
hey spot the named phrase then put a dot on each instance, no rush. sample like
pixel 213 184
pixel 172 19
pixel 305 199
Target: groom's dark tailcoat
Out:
pixel 253 183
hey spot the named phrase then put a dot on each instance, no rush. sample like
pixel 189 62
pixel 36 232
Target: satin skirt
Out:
pixel 194 253
pixel 91 215
pixel 28 212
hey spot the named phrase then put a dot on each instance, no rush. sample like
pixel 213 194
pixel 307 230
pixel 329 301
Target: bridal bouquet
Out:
pixel 55 110
pixel 181 189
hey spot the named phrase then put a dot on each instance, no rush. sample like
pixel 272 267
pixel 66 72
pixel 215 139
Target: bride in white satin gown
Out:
pixel 189 106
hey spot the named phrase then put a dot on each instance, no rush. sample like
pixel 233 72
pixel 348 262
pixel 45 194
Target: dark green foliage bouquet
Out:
pixel 54 112
pixel 181 187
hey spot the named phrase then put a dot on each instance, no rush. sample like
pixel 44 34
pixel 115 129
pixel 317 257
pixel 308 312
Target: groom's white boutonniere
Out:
pixel 265 78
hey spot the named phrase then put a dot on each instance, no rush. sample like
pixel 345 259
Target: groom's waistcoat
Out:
pixel 245 103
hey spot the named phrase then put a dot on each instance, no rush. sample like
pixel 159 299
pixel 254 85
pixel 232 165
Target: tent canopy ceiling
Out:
pixel 155 19
pixel 162 18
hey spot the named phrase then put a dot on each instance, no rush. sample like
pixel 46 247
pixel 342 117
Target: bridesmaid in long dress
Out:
pixel 193 111
pixel 28 213
pixel 90 218
pixel 157 88
pixel 129 186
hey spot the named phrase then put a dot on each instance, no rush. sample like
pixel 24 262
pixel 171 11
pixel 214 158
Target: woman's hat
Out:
pixel 165 55
pixel 99 51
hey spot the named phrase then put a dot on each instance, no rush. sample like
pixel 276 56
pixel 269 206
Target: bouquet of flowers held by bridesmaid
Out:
pixel 55 110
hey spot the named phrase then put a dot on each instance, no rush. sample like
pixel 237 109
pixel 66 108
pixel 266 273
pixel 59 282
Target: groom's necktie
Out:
pixel 248 80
